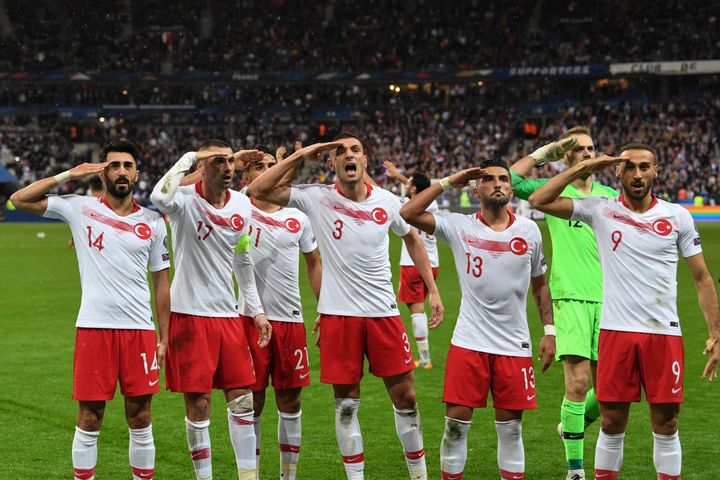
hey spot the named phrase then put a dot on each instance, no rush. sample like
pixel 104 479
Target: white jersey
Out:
pixel 429 241
pixel 353 241
pixel 114 253
pixel 204 240
pixel 276 240
pixel 639 255
pixel 494 270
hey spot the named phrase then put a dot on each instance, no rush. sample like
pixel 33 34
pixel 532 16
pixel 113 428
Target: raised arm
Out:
pixel 393 172
pixel 414 212
pixel 161 287
pixel 547 198
pixel 33 198
pixel 419 256
pixel 541 294
pixel 552 152
pixel 707 297
pixel 274 185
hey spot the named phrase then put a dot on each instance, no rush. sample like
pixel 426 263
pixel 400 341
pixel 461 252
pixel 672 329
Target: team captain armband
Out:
pixel 243 245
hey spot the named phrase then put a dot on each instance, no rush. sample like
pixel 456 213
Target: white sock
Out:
pixel 409 431
pixel 349 438
pixel 511 452
pixel 256 427
pixel 142 453
pixel 453 448
pixel 242 434
pixel 84 454
pixel 289 435
pixel 609 452
pixel 420 332
pixel 198 439
pixel 667 454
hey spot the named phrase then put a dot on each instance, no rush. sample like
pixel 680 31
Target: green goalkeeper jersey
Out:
pixel 575 272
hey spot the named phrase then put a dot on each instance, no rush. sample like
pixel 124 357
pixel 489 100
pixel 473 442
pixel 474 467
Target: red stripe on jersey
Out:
pixel 292 225
pixel 358 458
pixel 377 215
pixel 141 230
pixel 83 473
pixel 605 474
pixel 451 476
pixel 235 222
pixel 516 245
pixel 286 447
pixel 665 476
pixel 505 475
pixel 200 454
pixel 240 421
pixel 661 226
pixel 198 189
pixel 415 455
pixel 142 472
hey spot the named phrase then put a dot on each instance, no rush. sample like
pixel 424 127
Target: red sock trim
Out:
pixel 240 421
pixel 286 447
pixel 257 452
pixel 200 454
pixel 451 476
pixel 420 339
pixel 605 474
pixel 505 475
pixel 84 473
pixel 142 472
pixel 665 476
pixel 415 455
pixel 357 458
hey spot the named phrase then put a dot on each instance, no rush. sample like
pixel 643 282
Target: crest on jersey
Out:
pixel 518 246
pixel 292 225
pixel 662 227
pixel 379 216
pixel 236 222
pixel 142 231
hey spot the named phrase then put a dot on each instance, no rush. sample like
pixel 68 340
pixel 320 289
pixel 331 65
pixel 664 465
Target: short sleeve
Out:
pixel 538 265
pixel 60 207
pixel 688 241
pixel 301 197
pixel 524 187
pixel 399 225
pixel 585 208
pixel 159 249
pixel 442 227
pixel 307 241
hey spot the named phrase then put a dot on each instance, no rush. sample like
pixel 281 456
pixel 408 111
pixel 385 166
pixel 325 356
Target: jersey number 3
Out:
pixel 337 233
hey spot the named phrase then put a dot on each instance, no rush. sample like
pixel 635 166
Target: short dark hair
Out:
pixel 119 145
pixel 265 149
pixel 419 181
pixel 213 142
pixel 640 146
pixel 343 135
pixel 495 162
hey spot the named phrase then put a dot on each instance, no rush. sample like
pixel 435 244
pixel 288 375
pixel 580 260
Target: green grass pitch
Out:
pixel 39 302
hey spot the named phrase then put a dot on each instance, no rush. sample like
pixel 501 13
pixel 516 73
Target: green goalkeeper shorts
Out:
pixel 577 326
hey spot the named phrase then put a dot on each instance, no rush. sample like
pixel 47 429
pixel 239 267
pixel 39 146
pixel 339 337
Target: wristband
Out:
pixel 445 183
pixel 63 177
pixel 549 329
pixel 540 156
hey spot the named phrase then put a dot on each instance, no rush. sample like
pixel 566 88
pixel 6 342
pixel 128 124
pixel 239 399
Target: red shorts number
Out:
pixel 345 341
pixel 285 358
pixel 469 375
pixel 627 360
pixel 412 288
pixel 104 355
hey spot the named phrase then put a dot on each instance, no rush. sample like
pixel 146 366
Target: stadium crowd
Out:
pixel 421 34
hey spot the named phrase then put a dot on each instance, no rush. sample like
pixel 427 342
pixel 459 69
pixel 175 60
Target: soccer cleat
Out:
pixel 422 364
pixel 574 475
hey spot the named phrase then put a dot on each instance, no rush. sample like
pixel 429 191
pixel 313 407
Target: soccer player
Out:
pixel 207 344
pixel 116 241
pixel 277 236
pixel 412 290
pixel 497 254
pixel 576 289
pixel 359 315
pixel 639 238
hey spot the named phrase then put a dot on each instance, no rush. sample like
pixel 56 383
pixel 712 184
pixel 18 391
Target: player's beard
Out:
pixel 630 192
pixel 117 193
pixel 494 202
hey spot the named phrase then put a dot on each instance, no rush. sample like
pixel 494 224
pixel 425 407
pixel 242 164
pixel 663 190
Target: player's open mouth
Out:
pixel 350 167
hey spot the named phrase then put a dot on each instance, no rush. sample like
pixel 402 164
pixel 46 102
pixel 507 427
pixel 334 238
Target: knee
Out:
pixel 241 405
pixel 613 425
pixel 258 402
pixel 665 425
pixel 289 403
pixel 406 399
pixel 141 419
pixel 576 387
pixel 90 420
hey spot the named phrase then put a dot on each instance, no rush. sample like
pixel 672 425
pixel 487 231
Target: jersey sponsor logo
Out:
pixel 141 230
pixel 291 224
pixel 517 245
pixel 236 222
pixel 661 226
pixel 377 215
pixel 697 241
